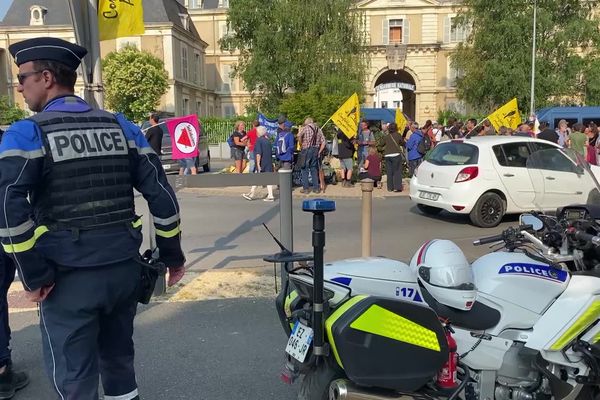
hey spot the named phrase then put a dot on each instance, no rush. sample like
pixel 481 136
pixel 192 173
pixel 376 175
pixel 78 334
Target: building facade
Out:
pixel 409 43
pixel 169 35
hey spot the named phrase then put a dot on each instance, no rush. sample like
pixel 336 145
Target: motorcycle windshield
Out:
pixel 560 177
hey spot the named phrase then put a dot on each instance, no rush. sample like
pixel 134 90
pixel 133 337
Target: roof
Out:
pixel 497 139
pixel 379 114
pixel 155 11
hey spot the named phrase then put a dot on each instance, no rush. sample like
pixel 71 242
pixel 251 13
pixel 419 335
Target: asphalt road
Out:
pixel 233 349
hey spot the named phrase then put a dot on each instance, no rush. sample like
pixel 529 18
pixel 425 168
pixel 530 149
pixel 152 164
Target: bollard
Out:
pixel 366 186
pixel 286 220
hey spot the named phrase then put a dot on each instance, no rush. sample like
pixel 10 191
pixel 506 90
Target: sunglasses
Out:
pixel 22 77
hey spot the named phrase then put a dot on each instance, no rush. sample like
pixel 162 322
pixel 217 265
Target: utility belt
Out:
pixel 152 269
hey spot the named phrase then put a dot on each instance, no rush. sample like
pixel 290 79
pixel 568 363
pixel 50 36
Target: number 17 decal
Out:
pixel 408 293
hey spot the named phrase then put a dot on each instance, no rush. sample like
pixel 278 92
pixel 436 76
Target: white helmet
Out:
pixel 442 268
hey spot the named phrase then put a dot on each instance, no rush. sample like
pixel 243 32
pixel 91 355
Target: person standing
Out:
pixel 365 139
pixel 154 134
pixel 412 146
pixel 10 380
pixel 346 156
pixel 393 152
pixel 285 145
pixel 68 222
pixel 264 162
pixel 312 142
pixel 237 150
pixel 546 133
pixel 578 140
pixel 250 139
pixel 563 132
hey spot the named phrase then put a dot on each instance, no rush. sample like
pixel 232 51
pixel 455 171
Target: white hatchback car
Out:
pixel 486 177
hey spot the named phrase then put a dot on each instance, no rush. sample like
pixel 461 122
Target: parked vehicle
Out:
pixel 486 177
pixel 572 115
pixel 519 323
pixel 172 166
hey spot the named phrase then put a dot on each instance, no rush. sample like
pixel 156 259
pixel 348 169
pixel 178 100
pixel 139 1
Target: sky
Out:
pixel 4 4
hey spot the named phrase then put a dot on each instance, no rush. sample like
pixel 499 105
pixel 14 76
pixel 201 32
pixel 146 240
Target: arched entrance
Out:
pixel 396 88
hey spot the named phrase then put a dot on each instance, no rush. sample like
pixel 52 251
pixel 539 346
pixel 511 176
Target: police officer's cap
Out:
pixel 47 48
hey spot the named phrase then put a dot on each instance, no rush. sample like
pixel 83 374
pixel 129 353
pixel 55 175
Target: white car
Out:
pixel 486 177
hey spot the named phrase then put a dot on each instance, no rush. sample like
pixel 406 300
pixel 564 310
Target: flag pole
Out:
pixel 326 122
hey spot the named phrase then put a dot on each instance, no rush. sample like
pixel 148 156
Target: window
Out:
pixel 228 82
pixel 195 3
pixel 229 110
pixel 223 29
pixel 395 30
pixel 452 33
pixel 396 104
pixel 198 107
pixel 453 74
pixel 223 3
pixel 384 104
pixel 551 159
pixel 453 153
pixel 184 62
pixel 512 154
pixel 37 15
pixel 185 21
pixel 186 106
pixel 196 69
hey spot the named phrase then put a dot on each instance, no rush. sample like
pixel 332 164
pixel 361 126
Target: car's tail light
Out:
pixel 466 174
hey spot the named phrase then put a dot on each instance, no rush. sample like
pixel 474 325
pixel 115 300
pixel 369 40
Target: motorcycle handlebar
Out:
pixel 502 236
pixel 580 235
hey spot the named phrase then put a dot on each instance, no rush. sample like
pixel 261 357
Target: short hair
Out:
pixel 487 123
pixel 415 125
pixel 154 117
pixel 503 130
pixel 255 123
pixel 308 121
pixel 261 131
pixel 472 120
pixel 544 124
pixel 64 75
pixel 578 127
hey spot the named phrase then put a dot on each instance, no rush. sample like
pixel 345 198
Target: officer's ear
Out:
pixel 48 78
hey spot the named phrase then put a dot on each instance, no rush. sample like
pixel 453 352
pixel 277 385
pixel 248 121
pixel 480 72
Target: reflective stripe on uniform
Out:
pixel 26 245
pixel 129 396
pixel 22 153
pixel 137 224
pixel 166 221
pixel 17 230
pixel 140 150
pixel 168 234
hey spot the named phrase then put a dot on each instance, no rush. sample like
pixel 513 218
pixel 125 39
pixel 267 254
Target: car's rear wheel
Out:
pixel 488 210
pixel 429 210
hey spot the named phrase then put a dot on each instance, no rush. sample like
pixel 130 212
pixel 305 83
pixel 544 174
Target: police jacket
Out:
pixel 67 176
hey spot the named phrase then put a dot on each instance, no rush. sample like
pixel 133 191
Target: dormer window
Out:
pixel 38 15
pixel 185 21
pixel 223 3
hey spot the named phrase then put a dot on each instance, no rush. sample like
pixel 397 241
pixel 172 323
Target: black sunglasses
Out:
pixel 21 77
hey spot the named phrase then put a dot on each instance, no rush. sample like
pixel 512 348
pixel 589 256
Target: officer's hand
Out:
pixel 39 295
pixel 175 274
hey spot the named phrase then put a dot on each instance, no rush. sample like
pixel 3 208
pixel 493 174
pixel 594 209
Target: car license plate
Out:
pixel 299 341
pixel 166 166
pixel 429 196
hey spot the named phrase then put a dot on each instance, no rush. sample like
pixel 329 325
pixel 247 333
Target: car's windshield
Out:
pixel 453 153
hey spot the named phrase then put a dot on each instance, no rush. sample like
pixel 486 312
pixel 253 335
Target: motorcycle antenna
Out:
pixel 281 246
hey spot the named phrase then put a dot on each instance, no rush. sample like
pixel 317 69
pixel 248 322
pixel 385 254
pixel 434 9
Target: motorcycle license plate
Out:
pixel 429 196
pixel 299 341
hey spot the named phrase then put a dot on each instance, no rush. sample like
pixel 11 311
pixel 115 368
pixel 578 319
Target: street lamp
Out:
pixel 532 104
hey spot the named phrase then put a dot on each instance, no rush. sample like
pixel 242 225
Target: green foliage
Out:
pixel 10 113
pixel 134 82
pixel 496 59
pixel 300 44
pixel 444 115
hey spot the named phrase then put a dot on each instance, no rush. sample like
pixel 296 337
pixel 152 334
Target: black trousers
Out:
pixel 393 166
pixel 7 275
pixel 87 328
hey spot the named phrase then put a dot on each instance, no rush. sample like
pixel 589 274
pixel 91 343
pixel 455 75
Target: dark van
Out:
pixel 572 115
pixel 172 166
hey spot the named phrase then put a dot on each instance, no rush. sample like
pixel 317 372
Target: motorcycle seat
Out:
pixel 479 318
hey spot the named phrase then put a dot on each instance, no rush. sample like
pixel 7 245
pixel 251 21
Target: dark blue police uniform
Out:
pixel 68 219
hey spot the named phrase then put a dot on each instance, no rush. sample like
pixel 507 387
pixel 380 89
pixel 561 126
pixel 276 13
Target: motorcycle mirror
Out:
pixel 529 219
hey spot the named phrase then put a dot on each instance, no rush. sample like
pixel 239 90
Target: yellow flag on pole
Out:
pixel 119 18
pixel 347 116
pixel 507 115
pixel 400 120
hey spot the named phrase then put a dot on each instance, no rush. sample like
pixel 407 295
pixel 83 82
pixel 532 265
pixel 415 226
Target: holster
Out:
pixel 151 270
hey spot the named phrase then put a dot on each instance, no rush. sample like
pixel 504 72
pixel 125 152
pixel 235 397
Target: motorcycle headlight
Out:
pixel 305 290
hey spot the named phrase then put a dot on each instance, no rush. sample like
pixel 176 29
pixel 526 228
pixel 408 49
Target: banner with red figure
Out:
pixel 184 132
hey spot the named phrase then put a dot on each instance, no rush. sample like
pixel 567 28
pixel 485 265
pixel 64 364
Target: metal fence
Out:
pixel 218 131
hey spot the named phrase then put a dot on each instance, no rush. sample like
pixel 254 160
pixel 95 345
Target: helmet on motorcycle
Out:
pixel 442 268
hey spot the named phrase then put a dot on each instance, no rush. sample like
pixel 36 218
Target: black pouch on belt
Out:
pixel 151 270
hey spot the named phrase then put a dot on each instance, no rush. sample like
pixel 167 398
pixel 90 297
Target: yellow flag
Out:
pixel 347 116
pixel 119 18
pixel 507 115
pixel 400 120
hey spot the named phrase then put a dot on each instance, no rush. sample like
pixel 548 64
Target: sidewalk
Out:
pixel 332 191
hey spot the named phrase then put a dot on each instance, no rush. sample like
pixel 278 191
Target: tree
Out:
pixel 10 113
pixel 134 82
pixel 286 46
pixel 496 58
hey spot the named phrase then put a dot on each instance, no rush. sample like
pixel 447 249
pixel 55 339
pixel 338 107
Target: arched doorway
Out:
pixel 396 88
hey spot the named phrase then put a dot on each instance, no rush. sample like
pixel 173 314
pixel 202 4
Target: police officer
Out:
pixel 68 222
pixel 10 381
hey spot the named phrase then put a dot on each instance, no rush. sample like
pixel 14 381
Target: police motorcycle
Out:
pixel 520 323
